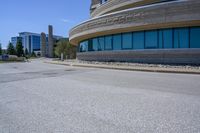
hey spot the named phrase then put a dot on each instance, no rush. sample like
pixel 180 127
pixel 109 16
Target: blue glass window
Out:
pixel 162 38
pixel 90 46
pixel 176 38
pixel 127 41
pixel 167 38
pixel 195 37
pixel 36 43
pixel 181 38
pixel 117 42
pixel 138 40
pixel 108 43
pixel 151 39
pixel 103 1
pixel 84 46
pixel 95 44
pixel 101 43
pixel 29 41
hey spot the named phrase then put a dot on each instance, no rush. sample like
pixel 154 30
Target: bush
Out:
pixel 12 58
pixel 33 54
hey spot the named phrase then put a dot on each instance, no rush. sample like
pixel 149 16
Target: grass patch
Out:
pixel 2 62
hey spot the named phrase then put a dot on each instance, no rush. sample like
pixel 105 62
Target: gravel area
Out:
pixel 133 66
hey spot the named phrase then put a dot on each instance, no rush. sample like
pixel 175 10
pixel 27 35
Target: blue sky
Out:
pixel 35 16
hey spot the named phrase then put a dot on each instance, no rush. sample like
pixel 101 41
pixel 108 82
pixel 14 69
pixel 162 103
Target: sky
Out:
pixel 35 16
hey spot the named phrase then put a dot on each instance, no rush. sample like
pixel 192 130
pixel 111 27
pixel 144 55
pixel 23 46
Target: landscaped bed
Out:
pixel 11 58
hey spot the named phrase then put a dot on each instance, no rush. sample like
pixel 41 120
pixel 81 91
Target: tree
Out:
pixel 63 46
pixel 0 49
pixel 26 52
pixel 11 49
pixel 19 49
pixel 71 51
pixel 33 54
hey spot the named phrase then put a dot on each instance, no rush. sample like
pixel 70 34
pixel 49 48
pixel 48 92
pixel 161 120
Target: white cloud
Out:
pixel 66 20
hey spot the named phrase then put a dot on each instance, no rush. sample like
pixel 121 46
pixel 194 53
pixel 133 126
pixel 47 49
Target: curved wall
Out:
pixel 163 56
pixel 117 5
pixel 164 15
pixel 170 38
pixel 171 29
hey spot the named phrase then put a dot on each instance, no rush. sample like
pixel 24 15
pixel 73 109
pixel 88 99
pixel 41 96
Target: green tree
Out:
pixel 0 49
pixel 61 48
pixel 26 52
pixel 68 50
pixel 71 51
pixel 33 54
pixel 19 49
pixel 11 49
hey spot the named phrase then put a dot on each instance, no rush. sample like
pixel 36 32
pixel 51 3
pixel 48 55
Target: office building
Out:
pixel 32 42
pixel 145 31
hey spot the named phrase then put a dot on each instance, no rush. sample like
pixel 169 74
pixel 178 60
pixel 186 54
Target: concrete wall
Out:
pixel 50 42
pixel 43 44
pixel 117 5
pixel 164 15
pixel 94 5
pixel 95 2
pixel 163 56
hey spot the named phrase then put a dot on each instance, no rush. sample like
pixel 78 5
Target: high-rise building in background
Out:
pixel 147 31
pixel 30 41
pixel 14 40
pixel 33 42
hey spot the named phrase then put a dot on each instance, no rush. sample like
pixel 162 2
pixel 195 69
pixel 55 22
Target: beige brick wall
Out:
pixel 163 56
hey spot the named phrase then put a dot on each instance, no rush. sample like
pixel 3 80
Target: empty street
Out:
pixel 36 97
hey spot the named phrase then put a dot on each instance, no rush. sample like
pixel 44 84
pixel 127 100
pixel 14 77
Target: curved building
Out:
pixel 147 31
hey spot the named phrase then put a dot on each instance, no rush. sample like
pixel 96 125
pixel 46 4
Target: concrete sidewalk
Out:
pixel 130 66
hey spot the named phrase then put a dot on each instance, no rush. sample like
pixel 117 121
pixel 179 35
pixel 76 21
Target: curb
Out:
pixel 128 68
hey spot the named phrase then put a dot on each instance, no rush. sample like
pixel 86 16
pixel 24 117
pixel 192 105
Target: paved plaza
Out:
pixel 37 97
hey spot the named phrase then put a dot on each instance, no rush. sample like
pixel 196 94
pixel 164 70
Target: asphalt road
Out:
pixel 44 98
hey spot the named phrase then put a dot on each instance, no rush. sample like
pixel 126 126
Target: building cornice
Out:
pixel 117 5
pixel 163 15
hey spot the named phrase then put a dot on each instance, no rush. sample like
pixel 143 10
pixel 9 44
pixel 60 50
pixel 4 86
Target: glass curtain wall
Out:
pixel 154 39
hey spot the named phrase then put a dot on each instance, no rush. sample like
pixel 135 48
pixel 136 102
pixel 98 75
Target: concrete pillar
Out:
pixel 50 42
pixel 43 44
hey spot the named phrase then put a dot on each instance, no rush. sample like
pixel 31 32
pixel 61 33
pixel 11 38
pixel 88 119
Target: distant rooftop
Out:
pixel 36 34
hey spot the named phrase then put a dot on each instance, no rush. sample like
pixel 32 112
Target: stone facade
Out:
pixel 131 16
pixel 163 56
pixel 43 44
pixel 94 5
pixel 117 5
pixel 50 42
pixel 175 14
pixel 95 2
